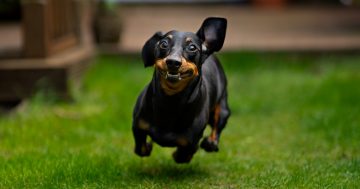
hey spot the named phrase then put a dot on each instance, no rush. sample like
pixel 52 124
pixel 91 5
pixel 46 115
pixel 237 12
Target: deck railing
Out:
pixel 49 26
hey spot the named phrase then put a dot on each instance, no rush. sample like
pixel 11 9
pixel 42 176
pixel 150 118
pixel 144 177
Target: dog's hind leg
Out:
pixel 218 120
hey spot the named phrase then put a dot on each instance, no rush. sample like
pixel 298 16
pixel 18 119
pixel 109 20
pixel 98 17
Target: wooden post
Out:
pixel 34 22
pixel 49 26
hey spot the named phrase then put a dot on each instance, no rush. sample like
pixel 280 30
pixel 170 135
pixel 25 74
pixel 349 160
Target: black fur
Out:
pixel 178 119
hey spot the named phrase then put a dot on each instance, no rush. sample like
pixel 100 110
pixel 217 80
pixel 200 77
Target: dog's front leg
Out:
pixel 184 154
pixel 140 129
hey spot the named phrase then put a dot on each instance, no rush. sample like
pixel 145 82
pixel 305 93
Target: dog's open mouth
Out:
pixel 174 77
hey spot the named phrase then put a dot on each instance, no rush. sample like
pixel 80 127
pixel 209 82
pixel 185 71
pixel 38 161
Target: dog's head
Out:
pixel 178 56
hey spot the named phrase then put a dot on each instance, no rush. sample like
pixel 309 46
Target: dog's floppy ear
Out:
pixel 212 32
pixel 148 50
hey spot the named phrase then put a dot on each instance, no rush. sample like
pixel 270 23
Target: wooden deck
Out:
pixel 20 77
pixel 45 51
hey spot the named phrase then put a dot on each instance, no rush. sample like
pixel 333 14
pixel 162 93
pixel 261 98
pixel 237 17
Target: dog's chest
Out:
pixel 174 125
pixel 175 113
pixel 173 118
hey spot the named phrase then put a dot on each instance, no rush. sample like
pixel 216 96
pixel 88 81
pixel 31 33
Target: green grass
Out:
pixel 295 124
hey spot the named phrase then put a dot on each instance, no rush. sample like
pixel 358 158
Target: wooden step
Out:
pixel 22 77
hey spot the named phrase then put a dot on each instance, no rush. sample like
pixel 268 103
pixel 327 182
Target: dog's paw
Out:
pixel 144 150
pixel 209 145
pixel 182 157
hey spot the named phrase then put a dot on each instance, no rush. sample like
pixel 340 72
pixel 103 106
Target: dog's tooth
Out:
pixel 173 76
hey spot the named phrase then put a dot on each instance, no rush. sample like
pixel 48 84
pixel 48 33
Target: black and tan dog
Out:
pixel 187 92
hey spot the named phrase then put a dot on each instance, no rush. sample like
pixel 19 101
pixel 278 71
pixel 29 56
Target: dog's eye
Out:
pixel 191 48
pixel 163 45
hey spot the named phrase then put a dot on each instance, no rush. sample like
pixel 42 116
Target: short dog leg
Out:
pixel 220 117
pixel 142 148
pixel 184 154
pixel 210 143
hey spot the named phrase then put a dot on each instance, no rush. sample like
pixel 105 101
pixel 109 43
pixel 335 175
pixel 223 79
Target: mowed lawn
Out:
pixel 295 124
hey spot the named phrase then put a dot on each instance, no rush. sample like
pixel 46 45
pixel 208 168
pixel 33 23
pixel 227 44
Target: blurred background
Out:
pixel 33 34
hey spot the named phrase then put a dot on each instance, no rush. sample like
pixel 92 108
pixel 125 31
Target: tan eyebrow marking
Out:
pixel 188 39
pixel 170 36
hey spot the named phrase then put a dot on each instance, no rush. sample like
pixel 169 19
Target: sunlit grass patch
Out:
pixel 295 123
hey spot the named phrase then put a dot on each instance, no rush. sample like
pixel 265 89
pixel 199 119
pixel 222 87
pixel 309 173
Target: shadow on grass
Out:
pixel 168 171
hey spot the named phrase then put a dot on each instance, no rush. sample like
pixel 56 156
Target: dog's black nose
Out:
pixel 173 65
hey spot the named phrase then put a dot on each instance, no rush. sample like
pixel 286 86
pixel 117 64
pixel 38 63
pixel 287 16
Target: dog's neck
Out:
pixel 191 90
